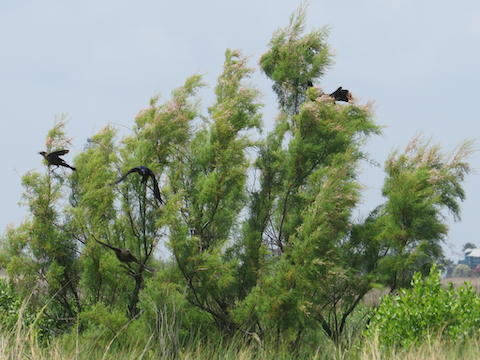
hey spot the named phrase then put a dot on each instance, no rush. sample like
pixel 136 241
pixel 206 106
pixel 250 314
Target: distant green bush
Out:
pixel 10 305
pixel 426 311
pixel 461 270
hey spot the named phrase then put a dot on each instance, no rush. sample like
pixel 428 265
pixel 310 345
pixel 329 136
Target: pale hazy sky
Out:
pixel 101 62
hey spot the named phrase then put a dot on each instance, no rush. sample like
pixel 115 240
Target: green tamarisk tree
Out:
pixel 421 185
pixel 254 234
pixel 42 257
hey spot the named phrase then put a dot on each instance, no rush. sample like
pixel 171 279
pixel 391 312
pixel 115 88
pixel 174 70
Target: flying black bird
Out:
pixel 124 255
pixel 53 158
pixel 341 95
pixel 145 172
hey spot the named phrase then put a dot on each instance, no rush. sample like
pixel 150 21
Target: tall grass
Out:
pixel 163 341
pixel 434 349
pixel 20 343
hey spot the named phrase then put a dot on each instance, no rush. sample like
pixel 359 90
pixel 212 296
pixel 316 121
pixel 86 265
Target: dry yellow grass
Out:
pixel 457 282
pixel 436 349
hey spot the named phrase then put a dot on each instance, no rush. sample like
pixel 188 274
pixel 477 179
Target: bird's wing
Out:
pixel 343 96
pixel 156 190
pixel 109 246
pixel 59 152
pixel 335 92
pixel 135 169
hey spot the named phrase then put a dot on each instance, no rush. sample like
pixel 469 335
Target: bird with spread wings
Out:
pixel 124 255
pixel 146 173
pixel 53 158
pixel 341 95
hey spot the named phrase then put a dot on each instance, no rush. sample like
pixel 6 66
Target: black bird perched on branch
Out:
pixel 145 172
pixel 341 95
pixel 53 158
pixel 124 255
pixel 338 95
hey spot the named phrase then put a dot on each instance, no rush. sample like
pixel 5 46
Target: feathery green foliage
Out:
pixel 254 246
pixel 294 60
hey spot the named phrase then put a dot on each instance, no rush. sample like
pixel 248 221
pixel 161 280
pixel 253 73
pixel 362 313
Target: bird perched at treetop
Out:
pixel 341 95
pixel 338 95
pixel 146 173
pixel 53 158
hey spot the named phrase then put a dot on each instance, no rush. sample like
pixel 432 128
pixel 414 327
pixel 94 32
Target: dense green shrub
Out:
pixel 461 270
pixel 427 310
